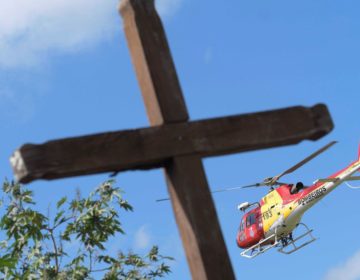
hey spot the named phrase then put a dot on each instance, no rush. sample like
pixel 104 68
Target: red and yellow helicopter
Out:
pixel 272 221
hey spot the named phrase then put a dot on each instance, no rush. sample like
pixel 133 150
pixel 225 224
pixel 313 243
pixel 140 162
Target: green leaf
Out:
pixel 61 202
pixel 35 250
pixel 58 216
pixel 7 262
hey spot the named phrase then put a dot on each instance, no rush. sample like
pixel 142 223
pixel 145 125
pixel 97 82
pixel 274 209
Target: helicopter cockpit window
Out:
pixel 250 220
pixel 242 225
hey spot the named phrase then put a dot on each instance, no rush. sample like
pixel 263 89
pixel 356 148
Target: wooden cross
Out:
pixel 172 142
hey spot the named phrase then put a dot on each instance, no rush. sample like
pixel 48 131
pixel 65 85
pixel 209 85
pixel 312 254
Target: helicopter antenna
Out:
pixel 229 189
pixel 215 191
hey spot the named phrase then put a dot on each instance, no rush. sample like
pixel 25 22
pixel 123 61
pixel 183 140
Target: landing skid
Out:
pixel 287 242
pixel 260 247
pixel 279 241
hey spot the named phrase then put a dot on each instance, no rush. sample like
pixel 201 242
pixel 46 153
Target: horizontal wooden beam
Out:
pixel 152 147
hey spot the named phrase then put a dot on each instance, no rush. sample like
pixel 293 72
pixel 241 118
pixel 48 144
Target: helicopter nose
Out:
pixel 240 237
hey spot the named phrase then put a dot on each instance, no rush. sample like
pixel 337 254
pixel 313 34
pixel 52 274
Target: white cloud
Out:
pixel 167 7
pixel 142 238
pixel 350 270
pixel 33 30
pixel 30 29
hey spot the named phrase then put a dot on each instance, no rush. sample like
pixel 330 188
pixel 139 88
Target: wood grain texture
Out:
pixel 154 66
pixel 206 253
pixel 152 147
pixel 197 219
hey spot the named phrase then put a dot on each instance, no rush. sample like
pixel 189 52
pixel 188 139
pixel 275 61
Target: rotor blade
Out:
pixel 222 190
pixel 241 187
pixel 162 199
pixel 231 189
pixel 353 178
pixel 306 160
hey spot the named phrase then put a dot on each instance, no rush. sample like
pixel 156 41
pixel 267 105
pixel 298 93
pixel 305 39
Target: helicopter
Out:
pixel 274 220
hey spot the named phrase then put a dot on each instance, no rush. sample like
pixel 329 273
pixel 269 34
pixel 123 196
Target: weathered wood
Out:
pixel 197 220
pixel 153 63
pixel 153 146
pixel 203 243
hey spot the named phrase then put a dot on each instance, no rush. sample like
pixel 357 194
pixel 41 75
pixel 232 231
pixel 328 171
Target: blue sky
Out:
pixel 66 71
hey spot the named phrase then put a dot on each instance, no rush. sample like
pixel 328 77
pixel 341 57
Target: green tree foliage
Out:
pixel 36 245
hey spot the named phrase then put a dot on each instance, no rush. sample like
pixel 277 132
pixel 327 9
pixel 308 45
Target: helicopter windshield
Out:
pixel 242 225
pixel 250 220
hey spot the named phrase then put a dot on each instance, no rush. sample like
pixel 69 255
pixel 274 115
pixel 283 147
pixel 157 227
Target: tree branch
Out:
pixel 101 269
pixel 55 250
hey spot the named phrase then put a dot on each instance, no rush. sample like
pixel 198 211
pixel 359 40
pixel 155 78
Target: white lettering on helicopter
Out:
pixel 314 195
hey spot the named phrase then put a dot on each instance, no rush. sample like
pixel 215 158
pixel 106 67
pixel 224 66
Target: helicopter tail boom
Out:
pixel 324 186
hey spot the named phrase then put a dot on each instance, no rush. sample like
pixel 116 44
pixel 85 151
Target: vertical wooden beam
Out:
pixel 191 199
pixel 153 63
pixel 197 219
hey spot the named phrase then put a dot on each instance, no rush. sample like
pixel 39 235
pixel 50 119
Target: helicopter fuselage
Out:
pixel 281 210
